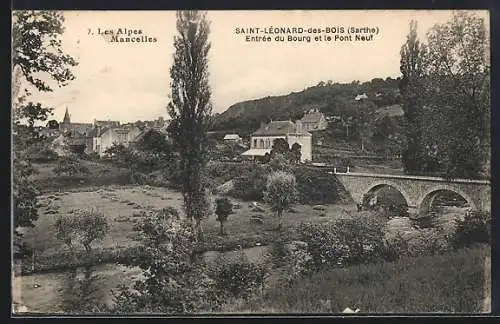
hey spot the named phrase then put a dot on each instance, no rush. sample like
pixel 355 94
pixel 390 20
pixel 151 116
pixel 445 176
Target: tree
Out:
pixel 412 89
pixel 70 167
pixel 190 108
pixel 53 124
pixel 280 193
pixel 92 226
pixel 280 146
pixel 82 226
pixel 172 283
pixel 280 162
pixel 296 152
pixel 36 51
pixel 66 231
pixel 224 207
pixel 458 98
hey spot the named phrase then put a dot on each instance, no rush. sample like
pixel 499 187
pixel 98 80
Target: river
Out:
pixel 48 292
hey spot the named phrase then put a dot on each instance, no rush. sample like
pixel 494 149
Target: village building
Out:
pixel 103 139
pixel 262 140
pixel 232 138
pixel 314 120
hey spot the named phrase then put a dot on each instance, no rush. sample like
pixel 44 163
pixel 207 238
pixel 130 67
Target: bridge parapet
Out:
pixel 416 190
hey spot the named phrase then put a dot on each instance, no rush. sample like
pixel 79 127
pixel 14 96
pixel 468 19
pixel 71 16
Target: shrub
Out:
pixel 415 243
pixel 345 242
pixel 240 278
pixel 292 258
pixel 315 186
pixel 280 193
pixel 224 207
pixel 474 228
pixel 250 184
pixel 70 167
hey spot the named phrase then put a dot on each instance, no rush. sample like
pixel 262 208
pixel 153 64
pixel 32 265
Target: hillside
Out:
pixel 333 99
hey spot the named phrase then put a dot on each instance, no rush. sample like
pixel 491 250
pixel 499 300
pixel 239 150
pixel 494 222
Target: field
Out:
pixel 123 204
pixel 448 283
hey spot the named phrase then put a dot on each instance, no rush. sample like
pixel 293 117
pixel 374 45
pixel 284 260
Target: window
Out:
pixel 261 143
pixel 254 143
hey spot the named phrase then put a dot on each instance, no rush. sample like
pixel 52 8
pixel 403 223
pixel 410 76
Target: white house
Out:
pixel 232 138
pixel 262 140
pixel 102 139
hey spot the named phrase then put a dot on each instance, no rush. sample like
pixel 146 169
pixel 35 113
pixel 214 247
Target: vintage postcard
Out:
pixel 251 162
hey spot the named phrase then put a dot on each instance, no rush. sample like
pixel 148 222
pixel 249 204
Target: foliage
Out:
pixel 224 207
pixel 53 124
pixel 280 193
pixel 315 186
pixel 190 107
pixel 333 99
pixel 474 228
pixel 411 85
pixel 251 183
pixel 240 278
pixel 427 241
pixel 173 283
pixel 292 258
pixel 36 50
pixel 280 162
pixel 295 152
pixel 70 166
pixel 447 93
pixel 452 282
pixel 344 242
pixel 83 226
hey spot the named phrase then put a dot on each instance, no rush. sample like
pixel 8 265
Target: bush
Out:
pixel 428 241
pixel 250 184
pixel 474 228
pixel 240 278
pixel 70 167
pixel 345 242
pixel 315 186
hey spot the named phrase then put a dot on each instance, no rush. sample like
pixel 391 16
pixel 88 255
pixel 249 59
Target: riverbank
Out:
pixel 450 283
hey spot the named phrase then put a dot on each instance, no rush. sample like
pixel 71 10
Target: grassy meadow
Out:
pixel 449 283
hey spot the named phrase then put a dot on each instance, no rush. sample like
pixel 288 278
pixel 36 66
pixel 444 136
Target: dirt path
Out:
pixel 487 285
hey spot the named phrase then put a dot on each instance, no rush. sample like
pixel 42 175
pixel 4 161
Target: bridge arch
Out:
pixel 425 201
pixel 374 187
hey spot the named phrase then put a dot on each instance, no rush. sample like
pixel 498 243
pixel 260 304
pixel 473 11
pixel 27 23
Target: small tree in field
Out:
pixel 66 230
pixel 83 226
pixel 92 226
pixel 280 193
pixel 223 208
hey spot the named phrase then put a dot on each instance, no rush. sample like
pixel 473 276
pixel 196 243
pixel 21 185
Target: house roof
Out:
pixel 256 152
pixel 276 128
pixel 231 137
pixel 312 117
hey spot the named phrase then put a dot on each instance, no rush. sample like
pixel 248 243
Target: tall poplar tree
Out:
pixel 190 110
pixel 412 91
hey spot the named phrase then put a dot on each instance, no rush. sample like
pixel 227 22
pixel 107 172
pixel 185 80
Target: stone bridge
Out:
pixel 418 191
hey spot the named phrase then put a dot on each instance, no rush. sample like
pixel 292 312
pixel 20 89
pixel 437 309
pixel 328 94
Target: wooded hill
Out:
pixel 336 100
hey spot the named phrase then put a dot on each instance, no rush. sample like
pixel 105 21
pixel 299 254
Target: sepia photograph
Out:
pixel 327 162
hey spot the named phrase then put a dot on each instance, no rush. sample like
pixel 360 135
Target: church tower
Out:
pixel 65 124
pixel 66 119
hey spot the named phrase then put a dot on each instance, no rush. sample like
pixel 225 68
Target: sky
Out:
pixel 131 81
